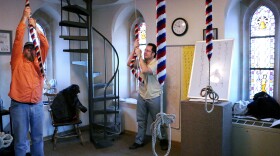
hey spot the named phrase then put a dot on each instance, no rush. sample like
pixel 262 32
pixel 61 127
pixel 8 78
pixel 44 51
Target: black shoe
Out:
pixel 135 145
pixel 164 144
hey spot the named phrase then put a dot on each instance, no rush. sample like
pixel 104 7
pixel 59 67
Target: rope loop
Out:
pixel 162 119
pixel 208 91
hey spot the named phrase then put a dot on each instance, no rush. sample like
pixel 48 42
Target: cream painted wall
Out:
pixel 192 11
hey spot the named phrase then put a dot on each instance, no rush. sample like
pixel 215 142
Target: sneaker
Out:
pixel 164 144
pixel 135 145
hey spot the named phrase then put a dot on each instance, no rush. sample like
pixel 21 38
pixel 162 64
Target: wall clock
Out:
pixel 179 26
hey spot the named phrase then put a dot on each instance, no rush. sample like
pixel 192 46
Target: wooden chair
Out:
pixel 75 123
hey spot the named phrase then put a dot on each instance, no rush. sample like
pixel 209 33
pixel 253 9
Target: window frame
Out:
pixel 250 56
pixel 249 12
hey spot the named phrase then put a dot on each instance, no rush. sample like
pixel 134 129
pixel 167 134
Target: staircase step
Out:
pixel 73 24
pixel 102 98
pixel 111 128
pixel 76 50
pixel 80 63
pixel 101 85
pixel 105 112
pixel 76 9
pixel 94 74
pixel 77 38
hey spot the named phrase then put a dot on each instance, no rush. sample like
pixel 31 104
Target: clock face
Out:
pixel 179 26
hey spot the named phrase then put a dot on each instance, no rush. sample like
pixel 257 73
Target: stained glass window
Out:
pixel 262 48
pixel 263 22
pixel 142 37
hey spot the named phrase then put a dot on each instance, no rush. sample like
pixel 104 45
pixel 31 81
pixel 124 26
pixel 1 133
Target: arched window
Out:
pixel 262 51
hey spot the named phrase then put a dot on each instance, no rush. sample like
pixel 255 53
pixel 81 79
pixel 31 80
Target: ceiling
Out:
pixel 95 2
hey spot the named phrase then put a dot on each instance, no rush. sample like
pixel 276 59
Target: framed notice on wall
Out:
pixel 5 41
pixel 215 34
pixel 220 69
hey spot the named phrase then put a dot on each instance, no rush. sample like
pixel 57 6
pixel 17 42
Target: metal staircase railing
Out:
pixel 101 129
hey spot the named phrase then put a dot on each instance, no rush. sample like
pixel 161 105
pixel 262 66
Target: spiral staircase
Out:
pixel 103 85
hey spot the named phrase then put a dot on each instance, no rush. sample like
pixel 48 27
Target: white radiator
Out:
pixel 254 138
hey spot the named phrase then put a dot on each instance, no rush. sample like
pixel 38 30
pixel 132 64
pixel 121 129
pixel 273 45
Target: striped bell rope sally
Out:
pixel 208 90
pixel 34 38
pixel 162 119
pixel 134 71
pixel 209 29
pixel 161 41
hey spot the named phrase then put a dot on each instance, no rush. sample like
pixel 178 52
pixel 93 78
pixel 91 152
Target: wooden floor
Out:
pixel 72 147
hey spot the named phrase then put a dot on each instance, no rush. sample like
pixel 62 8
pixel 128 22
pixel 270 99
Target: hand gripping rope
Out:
pixel 34 38
pixel 209 48
pixel 134 71
pixel 161 118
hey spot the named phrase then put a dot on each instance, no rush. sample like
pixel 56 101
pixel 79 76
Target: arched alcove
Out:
pixel 49 19
pixel 122 27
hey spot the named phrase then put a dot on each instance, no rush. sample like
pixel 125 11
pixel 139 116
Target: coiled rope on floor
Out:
pixel 5 140
pixel 162 119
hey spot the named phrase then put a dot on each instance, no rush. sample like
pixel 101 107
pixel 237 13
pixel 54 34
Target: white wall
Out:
pixel 232 31
pixel 119 31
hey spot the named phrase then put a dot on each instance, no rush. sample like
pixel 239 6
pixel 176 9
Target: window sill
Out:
pixel 129 103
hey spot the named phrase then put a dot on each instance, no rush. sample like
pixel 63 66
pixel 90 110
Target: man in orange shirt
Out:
pixel 26 89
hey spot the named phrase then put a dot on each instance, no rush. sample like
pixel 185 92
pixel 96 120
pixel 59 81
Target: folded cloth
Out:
pixel 240 107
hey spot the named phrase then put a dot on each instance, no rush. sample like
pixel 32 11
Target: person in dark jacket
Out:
pixel 66 103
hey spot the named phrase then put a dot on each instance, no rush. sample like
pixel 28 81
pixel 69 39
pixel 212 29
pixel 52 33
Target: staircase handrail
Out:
pixel 115 51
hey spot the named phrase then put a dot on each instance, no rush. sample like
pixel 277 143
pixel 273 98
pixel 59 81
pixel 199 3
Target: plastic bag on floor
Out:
pixel 5 140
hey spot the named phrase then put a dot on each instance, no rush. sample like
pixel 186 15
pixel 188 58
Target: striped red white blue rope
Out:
pixel 34 38
pixel 161 41
pixel 131 65
pixel 209 28
pixel 161 118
